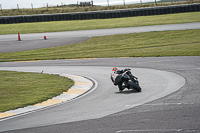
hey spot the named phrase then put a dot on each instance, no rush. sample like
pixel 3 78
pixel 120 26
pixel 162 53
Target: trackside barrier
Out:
pixel 101 14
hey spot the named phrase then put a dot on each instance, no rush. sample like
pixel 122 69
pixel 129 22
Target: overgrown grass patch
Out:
pixel 164 43
pixel 75 25
pixel 19 89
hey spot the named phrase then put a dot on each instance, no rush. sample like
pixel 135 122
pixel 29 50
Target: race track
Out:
pixel 9 43
pixel 170 93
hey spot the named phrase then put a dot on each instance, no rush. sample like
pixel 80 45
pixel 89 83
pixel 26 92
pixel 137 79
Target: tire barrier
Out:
pixel 101 14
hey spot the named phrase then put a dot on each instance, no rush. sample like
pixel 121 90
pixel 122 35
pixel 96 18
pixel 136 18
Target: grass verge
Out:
pixel 56 26
pixel 165 43
pixel 19 89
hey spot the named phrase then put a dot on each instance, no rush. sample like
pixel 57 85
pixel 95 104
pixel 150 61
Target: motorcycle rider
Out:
pixel 115 79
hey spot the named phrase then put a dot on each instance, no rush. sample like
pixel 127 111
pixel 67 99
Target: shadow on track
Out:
pixel 127 92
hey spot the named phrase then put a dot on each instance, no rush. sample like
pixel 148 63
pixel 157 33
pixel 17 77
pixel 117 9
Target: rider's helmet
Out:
pixel 114 69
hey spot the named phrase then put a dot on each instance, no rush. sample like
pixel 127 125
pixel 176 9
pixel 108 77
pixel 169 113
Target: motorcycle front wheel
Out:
pixel 135 86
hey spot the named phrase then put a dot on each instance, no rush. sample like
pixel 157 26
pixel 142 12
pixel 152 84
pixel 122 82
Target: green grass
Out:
pixel 56 26
pixel 165 43
pixel 19 89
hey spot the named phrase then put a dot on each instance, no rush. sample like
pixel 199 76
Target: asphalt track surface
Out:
pixel 169 101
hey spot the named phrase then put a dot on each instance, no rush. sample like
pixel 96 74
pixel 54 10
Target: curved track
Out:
pixel 9 43
pixel 106 110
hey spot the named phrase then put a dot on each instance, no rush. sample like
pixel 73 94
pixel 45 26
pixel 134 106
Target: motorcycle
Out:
pixel 125 79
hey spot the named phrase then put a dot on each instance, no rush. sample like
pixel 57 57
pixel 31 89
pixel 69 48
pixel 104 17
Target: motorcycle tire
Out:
pixel 135 86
